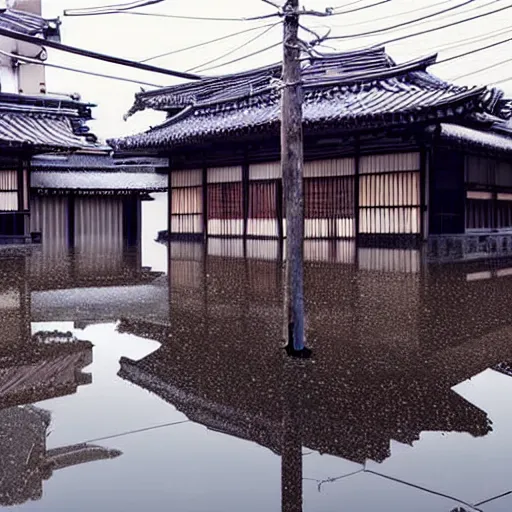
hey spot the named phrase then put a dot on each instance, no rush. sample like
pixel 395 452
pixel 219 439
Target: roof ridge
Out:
pixel 348 78
pixel 207 80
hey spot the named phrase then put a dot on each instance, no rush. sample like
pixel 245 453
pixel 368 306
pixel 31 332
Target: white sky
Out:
pixel 139 37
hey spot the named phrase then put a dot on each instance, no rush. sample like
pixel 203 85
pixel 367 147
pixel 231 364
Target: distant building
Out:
pixel 74 195
pixel 392 154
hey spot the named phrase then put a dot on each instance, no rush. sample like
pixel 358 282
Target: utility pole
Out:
pixel 292 167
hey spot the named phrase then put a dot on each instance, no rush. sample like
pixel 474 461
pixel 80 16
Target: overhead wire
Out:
pixel 390 16
pixel 476 50
pixel 495 65
pixel 441 27
pixel 470 40
pixel 360 8
pixel 337 8
pixel 502 80
pixel 187 17
pixel 205 43
pixel 36 62
pixel 249 55
pixel 201 67
pixel 130 5
pixel 17 36
pixel 403 24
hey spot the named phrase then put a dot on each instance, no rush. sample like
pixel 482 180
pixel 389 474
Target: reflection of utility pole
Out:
pixel 292 163
pixel 291 462
pixel 291 440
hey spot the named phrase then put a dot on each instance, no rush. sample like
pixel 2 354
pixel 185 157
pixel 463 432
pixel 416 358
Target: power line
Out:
pixel 185 17
pixel 263 50
pixel 442 27
pixel 65 68
pixel 471 52
pixel 506 61
pixel 337 8
pixel 403 24
pixel 503 80
pixel 359 8
pixel 95 55
pixel 234 50
pixel 470 40
pixel 205 43
pixel 131 5
pixel 383 18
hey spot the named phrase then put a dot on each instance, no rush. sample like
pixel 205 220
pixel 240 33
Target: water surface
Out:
pixel 153 378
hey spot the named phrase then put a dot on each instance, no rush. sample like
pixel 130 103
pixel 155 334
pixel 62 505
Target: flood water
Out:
pixel 153 378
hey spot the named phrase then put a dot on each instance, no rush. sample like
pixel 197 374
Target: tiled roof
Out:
pixel 253 82
pixel 98 180
pixel 42 130
pixel 346 91
pixel 44 122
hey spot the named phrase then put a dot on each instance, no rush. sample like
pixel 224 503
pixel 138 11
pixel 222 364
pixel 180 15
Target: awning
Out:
pixel 40 130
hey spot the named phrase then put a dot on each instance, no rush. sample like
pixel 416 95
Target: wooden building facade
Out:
pixel 89 201
pixel 392 153
pixel 30 125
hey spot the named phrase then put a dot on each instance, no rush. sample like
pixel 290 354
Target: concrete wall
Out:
pixel 31 78
pixel 27 78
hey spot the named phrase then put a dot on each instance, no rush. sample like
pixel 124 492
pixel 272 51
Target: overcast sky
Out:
pixel 139 37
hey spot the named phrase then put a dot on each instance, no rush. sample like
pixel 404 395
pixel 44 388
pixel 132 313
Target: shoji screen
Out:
pixel 187 202
pixel 264 181
pixel 389 194
pixel 329 198
pixel 99 239
pixel 225 211
pixel 49 215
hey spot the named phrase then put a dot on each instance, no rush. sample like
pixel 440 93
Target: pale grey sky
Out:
pixel 139 37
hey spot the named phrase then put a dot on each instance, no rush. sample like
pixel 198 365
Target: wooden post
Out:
pixel 292 163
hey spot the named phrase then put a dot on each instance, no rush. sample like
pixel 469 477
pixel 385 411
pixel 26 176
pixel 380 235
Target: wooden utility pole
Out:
pixel 292 164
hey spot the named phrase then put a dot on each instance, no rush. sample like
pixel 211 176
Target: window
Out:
pixel 389 194
pixel 225 201
pixel 263 200
pixel 489 194
pixel 329 198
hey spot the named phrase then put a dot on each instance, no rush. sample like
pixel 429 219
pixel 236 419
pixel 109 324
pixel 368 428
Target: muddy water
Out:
pixel 153 378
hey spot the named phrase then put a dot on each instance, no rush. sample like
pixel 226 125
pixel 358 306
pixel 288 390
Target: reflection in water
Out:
pixel 393 338
pixel 390 346
pixel 25 461
pixel 46 366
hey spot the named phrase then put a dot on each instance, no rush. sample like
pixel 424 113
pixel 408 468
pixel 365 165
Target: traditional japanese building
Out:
pixel 391 153
pixel 31 122
pixel 77 196
pixel 31 125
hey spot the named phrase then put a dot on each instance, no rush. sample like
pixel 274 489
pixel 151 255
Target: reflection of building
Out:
pixel 24 459
pixel 392 153
pixel 389 348
pixel 33 370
